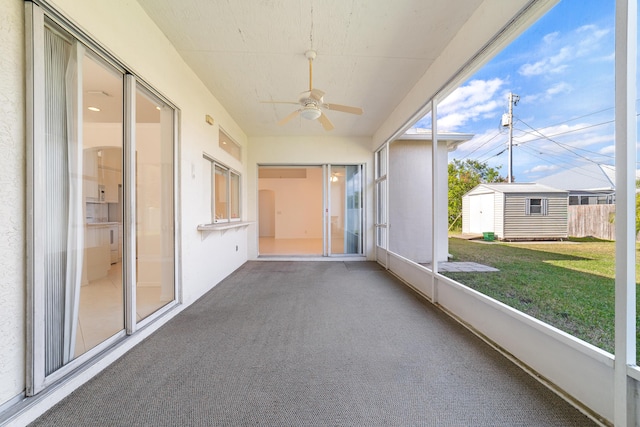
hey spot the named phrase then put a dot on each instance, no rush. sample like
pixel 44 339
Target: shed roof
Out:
pixel 509 188
pixel 588 177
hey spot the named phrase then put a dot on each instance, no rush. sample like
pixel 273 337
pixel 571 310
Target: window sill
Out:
pixel 223 226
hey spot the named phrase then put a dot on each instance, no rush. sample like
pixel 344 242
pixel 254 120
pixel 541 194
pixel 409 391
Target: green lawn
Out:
pixel 569 285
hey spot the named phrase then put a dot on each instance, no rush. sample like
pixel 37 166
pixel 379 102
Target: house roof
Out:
pixel 389 58
pixel 452 139
pixel 520 188
pixel 588 177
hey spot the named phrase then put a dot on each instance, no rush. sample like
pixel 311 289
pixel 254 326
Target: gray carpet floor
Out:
pixel 312 344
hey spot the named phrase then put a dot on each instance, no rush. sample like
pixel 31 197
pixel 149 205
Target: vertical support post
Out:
pixel 129 260
pixel 510 142
pixel 625 143
pixel 434 200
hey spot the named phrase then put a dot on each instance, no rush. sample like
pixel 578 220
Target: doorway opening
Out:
pixel 310 210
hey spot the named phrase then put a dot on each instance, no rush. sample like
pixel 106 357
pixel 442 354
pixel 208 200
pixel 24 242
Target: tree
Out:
pixel 463 176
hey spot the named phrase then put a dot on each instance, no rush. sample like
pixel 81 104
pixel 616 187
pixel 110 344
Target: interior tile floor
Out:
pixel 101 311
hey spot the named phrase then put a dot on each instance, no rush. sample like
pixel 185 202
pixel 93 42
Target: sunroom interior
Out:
pixel 218 165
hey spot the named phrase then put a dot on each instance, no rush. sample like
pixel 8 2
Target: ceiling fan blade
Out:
pixel 316 94
pixel 344 108
pixel 326 123
pixel 289 117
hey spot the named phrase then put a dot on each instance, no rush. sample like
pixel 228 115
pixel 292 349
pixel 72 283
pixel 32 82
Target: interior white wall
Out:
pixel 12 200
pixel 308 151
pixel 102 135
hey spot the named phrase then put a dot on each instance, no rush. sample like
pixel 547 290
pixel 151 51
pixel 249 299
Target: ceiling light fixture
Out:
pixel 93 109
pixel 310 113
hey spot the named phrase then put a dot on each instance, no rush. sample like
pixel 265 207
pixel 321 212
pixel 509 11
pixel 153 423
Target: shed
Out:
pixel 513 211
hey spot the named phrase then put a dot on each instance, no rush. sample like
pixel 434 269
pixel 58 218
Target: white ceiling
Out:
pixel 370 54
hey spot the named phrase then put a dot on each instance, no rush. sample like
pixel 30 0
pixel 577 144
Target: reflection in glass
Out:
pixel 346 209
pixel 235 196
pixel 220 185
pixel 101 302
pixel 154 204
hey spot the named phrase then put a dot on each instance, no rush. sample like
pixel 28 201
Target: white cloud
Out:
pixel 550 37
pixel 548 94
pixel 542 168
pixel 580 43
pixel 478 99
pixel 609 150
pixel 561 87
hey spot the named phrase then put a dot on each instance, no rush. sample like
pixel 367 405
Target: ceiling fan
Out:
pixel 312 102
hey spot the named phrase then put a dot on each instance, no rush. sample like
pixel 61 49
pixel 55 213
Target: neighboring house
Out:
pixel 590 184
pixel 410 215
pixel 516 211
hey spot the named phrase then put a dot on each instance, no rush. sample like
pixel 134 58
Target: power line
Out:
pixel 575 148
pixel 560 144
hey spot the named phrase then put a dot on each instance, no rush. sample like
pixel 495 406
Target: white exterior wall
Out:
pixel 410 200
pixel 309 151
pixel 124 29
pixel 12 201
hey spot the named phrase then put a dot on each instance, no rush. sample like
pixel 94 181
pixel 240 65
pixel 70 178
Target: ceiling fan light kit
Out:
pixel 310 113
pixel 312 101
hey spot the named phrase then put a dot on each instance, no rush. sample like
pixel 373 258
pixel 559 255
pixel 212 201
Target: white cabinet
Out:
pixel 110 180
pixel 102 173
pixel 90 175
pixel 97 252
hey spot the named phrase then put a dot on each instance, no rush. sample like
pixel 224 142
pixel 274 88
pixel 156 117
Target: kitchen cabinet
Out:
pixel 102 173
pixel 90 175
pixel 97 251
pixel 110 180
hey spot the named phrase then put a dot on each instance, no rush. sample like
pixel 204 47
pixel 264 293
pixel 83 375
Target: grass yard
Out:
pixel 569 285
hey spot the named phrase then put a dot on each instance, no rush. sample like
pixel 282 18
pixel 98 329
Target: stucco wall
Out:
pixel 410 200
pixel 124 28
pixel 12 200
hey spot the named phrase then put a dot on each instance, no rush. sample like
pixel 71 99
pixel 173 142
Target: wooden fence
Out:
pixel 592 220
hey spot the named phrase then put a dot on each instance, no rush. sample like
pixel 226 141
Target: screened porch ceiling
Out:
pixel 370 54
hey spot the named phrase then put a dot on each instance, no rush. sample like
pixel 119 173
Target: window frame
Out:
pixel 543 206
pixel 231 193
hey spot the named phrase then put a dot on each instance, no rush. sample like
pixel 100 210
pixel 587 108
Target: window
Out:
pixel 229 145
pixel 381 196
pixel 537 207
pixel 222 195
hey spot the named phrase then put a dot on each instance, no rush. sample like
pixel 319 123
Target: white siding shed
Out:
pixel 516 211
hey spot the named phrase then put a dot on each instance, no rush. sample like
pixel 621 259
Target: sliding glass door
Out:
pixel 154 203
pixel 101 200
pixel 310 210
pixel 345 197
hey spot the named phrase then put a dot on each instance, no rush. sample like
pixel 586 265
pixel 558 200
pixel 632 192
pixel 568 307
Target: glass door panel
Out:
pixel 345 219
pixel 290 210
pixel 101 302
pixel 155 271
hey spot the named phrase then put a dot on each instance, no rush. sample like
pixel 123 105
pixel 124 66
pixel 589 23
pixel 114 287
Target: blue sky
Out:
pixel 562 68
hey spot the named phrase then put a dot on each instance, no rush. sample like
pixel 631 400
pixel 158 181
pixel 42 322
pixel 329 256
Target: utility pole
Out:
pixel 513 100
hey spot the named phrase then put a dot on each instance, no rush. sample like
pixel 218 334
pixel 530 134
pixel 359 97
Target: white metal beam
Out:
pixel 625 144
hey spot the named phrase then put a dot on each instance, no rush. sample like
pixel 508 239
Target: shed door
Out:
pixel 481 213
